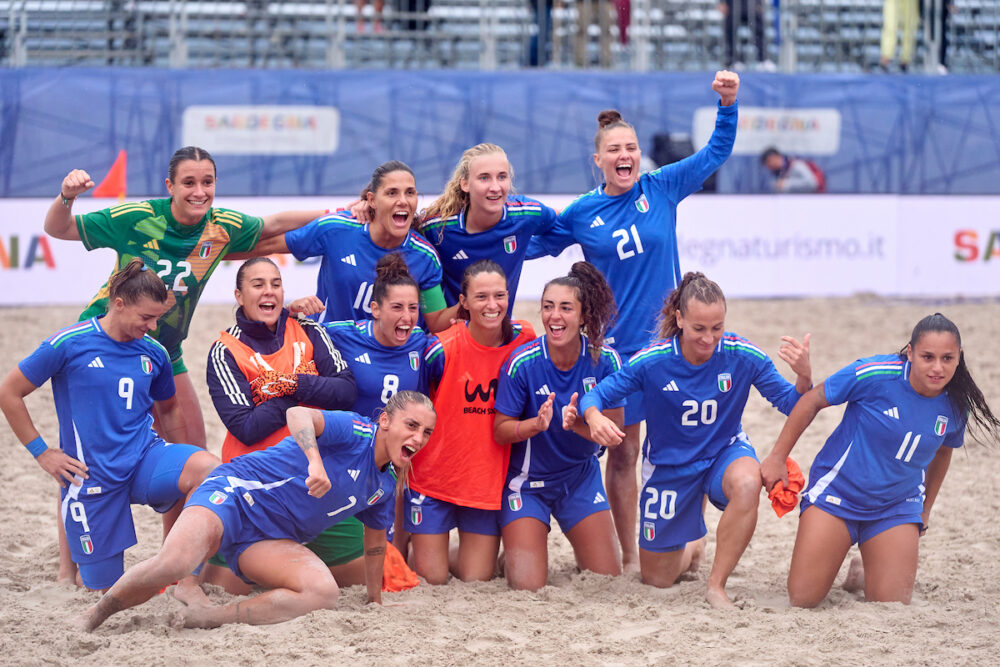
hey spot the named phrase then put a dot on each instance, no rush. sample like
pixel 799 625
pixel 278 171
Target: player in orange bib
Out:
pixel 457 479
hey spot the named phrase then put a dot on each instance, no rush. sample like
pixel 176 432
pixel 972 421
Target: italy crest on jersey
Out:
pixel 217 498
pixel 648 531
pixel 510 244
pixel 206 250
pixel 642 204
pixel 514 502
pixel 147 364
pixel 941 425
pixel 414 360
pixel 725 382
pixel 86 544
pixel 373 498
pixel 589 383
pixel 416 515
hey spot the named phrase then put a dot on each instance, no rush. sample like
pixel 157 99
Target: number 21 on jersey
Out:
pixel 628 241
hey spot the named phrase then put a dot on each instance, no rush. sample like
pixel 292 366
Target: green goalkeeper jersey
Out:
pixel 184 256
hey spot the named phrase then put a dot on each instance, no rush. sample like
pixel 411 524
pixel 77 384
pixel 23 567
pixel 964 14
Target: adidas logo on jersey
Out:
pixel 96 363
pixel 363 359
pixel 354 474
pixel 670 386
pixel 598 498
pixel 460 255
pixel 892 412
pixel 543 390
pixel 598 222
pixel 349 260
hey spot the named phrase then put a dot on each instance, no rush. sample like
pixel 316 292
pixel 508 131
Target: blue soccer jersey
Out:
pixel 104 392
pixel 632 237
pixel 505 243
pixel 270 485
pixel 347 271
pixel 381 371
pixel 889 434
pixel 526 381
pixel 693 412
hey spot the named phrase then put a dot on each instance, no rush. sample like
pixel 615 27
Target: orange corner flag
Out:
pixel 113 184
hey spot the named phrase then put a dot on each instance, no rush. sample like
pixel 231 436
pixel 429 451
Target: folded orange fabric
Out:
pixel 784 499
pixel 396 574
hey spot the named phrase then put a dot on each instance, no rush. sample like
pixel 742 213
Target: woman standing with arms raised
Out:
pixel 627 227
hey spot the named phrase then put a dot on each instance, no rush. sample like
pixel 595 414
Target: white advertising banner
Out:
pixel 797 131
pixel 262 130
pixel 754 246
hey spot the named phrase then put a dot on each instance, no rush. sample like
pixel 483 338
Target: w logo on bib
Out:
pixel 642 204
pixel 510 244
pixel 941 425
pixel 514 502
pixel 725 382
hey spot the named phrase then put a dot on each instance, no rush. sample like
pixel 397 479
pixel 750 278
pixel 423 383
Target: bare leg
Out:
pixel 194 424
pixel 526 553
pixel 662 569
pixel 223 576
pixel 195 470
pixel 351 573
pixel 195 535
pixel 400 538
pixel 593 541
pixel 477 556
pixel 299 583
pixel 68 574
pixel 430 557
pixel 821 544
pixel 623 494
pixel 890 564
pixel 741 484
pixel 855 579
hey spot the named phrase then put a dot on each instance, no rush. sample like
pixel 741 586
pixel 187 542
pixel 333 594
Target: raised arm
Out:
pixel 512 429
pixel 59 221
pixel 773 467
pixel 305 424
pixel 56 462
pixel 796 355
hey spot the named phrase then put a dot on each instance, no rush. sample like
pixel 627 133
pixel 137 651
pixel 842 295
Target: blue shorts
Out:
pixel 862 530
pixel 670 499
pixel 430 516
pixel 98 519
pixel 570 498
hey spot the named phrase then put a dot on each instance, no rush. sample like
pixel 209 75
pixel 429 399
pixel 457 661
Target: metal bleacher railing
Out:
pixel 792 36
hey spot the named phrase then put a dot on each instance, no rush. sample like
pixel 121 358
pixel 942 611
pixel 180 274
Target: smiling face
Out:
pixel 396 316
pixel 261 294
pixel 488 184
pixel 486 300
pixel 618 159
pixel 406 432
pixel 192 191
pixel 933 361
pixel 701 329
pixel 395 203
pixel 562 314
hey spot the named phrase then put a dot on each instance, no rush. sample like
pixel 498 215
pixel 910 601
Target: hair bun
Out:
pixel 607 117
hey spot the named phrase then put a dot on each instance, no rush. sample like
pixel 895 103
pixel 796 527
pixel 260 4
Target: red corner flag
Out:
pixel 113 184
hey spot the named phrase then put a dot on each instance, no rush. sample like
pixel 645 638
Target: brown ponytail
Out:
pixel 694 285
pixel 134 281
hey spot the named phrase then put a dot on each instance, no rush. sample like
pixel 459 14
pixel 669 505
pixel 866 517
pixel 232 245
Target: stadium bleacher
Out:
pixel 801 35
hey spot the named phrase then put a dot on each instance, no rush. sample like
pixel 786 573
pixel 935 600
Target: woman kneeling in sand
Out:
pixel 259 509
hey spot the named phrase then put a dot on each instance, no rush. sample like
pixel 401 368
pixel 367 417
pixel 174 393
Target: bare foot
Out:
pixel 718 599
pixel 85 621
pixel 190 593
pixel 697 551
pixel 855 579
pixel 198 617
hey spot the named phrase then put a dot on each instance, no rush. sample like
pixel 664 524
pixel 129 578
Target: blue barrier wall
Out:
pixel 899 134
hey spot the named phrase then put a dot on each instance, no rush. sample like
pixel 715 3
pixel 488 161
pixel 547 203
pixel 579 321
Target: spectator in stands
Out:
pixel 538 54
pixel 896 15
pixel 377 25
pixel 599 12
pixel 793 174
pixel 739 13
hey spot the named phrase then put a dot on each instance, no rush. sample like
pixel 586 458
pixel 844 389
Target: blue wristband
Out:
pixel 36 446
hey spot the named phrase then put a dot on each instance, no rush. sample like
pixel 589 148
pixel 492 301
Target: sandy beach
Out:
pixel 578 619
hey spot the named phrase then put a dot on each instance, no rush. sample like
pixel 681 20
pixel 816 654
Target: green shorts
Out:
pixel 178 366
pixel 338 544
